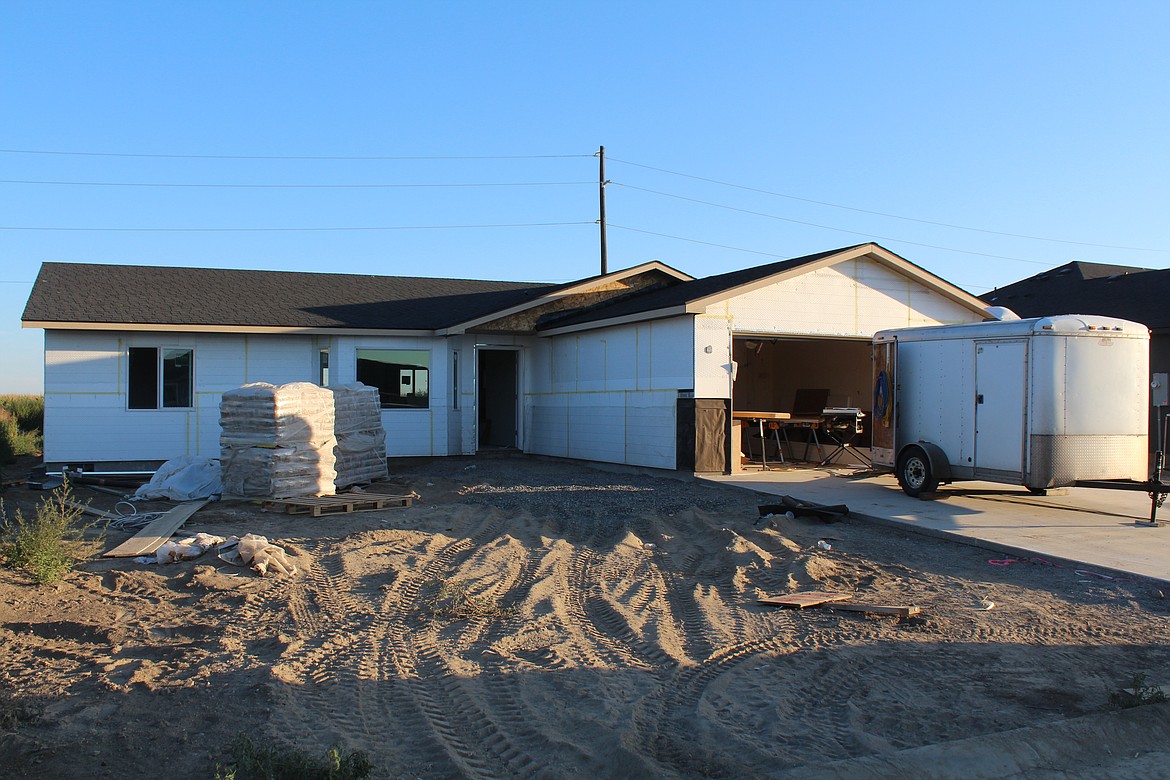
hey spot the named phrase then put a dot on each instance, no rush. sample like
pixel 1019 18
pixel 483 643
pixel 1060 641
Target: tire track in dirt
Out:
pixel 327 679
pixel 653 731
pixel 603 636
pixel 476 741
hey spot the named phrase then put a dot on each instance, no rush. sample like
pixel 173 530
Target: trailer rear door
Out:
pixel 1001 374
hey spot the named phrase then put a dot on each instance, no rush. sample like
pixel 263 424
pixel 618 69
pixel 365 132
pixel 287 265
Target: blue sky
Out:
pixel 983 141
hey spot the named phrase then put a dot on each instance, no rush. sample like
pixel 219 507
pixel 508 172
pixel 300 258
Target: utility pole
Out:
pixel 601 182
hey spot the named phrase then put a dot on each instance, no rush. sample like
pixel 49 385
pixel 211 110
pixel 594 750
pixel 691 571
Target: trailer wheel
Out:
pixel 915 474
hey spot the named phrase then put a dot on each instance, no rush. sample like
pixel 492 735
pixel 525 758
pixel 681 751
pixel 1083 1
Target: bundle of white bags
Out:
pixel 300 439
pixel 361 439
pixel 277 441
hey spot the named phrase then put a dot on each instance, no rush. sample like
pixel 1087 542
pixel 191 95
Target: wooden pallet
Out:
pixel 317 506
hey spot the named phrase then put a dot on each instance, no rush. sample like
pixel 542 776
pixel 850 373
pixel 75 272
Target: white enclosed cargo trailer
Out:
pixel 1045 402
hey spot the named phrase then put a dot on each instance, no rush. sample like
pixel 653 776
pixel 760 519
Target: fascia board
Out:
pixel 582 286
pixel 173 328
pixel 655 314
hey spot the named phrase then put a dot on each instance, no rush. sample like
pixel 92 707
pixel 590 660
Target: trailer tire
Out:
pixel 915 474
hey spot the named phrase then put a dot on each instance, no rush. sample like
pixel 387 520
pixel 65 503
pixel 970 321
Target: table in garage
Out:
pixel 761 419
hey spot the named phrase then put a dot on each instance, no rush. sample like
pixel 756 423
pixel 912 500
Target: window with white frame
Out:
pixel 402 376
pixel 160 378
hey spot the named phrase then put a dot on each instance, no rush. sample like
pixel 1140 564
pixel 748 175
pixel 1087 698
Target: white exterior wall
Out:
pixel 409 432
pixel 851 298
pixel 86 414
pixel 610 395
pixel 714 370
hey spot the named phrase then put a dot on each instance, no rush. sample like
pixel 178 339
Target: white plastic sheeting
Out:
pixel 185 478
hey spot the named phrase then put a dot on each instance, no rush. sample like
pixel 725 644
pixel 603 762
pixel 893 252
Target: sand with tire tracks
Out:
pixel 534 618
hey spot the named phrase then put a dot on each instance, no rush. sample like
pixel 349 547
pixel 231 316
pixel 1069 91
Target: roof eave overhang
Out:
pixel 154 327
pixel 878 254
pixel 580 287
pixel 642 316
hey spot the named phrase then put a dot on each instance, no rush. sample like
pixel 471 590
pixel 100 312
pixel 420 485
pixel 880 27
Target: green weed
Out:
pixel 1137 694
pixel 29 410
pixel 49 544
pixel 16 440
pixel 253 761
pixel 15 712
pixel 454 601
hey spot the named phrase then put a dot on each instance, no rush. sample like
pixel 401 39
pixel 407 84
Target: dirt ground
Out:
pixel 535 618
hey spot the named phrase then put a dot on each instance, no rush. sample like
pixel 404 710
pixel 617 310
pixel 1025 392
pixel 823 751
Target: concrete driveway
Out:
pixel 1101 531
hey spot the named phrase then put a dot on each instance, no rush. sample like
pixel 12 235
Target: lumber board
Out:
pixel 89 510
pixel 877 609
pixel 157 532
pixel 806 599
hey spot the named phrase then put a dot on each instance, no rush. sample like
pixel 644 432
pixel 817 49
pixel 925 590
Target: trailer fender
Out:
pixel 921 466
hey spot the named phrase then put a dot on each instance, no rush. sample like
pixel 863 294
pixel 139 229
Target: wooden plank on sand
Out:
pixel 89 510
pixel 154 535
pixel 807 599
pixel 877 609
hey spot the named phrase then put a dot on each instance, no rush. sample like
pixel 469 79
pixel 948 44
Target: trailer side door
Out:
pixel 1001 399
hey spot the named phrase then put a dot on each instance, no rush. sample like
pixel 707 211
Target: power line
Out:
pixel 885 214
pixel 294 157
pixel 293 186
pixel 827 227
pixel 290 229
pixel 737 248
pixel 697 241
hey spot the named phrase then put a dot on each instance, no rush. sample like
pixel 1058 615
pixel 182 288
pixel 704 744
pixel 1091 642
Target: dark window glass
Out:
pixel 177 376
pixel 145 391
pixel 142 383
pixel 402 376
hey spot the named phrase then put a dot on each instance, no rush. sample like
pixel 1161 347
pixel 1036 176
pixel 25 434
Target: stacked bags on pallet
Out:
pixel 277 441
pixel 361 439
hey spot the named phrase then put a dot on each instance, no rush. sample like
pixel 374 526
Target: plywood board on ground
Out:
pixel 154 535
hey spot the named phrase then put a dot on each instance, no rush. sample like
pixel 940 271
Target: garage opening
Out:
pixel 801 401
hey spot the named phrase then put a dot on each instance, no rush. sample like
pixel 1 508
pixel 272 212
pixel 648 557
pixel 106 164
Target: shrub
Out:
pixel 28 409
pixel 1137 694
pixel 9 434
pixel 270 762
pixel 49 544
pixel 21 426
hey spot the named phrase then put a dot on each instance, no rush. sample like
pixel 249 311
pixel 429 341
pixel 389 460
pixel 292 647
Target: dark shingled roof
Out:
pixel 1137 294
pixel 148 295
pixel 683 293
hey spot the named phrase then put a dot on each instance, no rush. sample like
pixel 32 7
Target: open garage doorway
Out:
pixel 498 386
pixel 801 390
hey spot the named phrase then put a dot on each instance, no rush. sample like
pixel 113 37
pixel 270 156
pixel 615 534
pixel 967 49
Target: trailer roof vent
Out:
pixel 999 314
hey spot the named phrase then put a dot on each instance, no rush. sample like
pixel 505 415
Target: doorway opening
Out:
pixel 796 400
pixel 499 397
